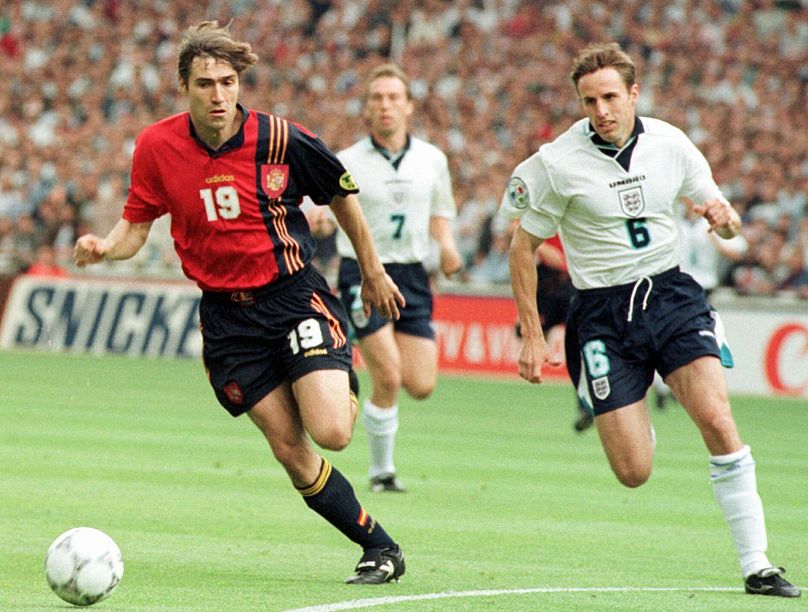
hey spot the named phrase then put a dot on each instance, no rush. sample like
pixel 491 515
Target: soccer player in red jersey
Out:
pixel 275 338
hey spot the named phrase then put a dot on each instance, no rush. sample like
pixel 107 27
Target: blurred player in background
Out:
pixel 407 198
pixel 275 339
pixel 704 256
pixel 610 184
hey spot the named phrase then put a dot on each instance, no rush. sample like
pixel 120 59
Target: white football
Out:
pixel 83 566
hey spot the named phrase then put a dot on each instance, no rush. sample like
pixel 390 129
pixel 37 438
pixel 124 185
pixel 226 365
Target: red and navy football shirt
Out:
pixel 235 216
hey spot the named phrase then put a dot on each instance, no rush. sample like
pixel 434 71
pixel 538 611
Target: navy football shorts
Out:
pixel 413 282
pixel 617 336
pixel 254 340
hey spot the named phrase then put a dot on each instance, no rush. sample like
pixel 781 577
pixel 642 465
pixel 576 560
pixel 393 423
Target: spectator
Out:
pixel 492 267
pixel 475 210
pixel 11 196
pixel 706 66
pixel 27 238
pixel 794 271
pixel 8 260
pixel 45 263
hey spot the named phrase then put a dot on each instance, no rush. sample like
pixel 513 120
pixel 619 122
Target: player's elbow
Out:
pixel 523 245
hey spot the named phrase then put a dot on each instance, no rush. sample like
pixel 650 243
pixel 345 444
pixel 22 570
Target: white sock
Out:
pixel 735 488
pixel 381 425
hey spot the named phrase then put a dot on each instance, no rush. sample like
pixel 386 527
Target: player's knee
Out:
pixel 420 390
pixel 333 438
pixel 390 379
pixel 633 476
pixel 632 481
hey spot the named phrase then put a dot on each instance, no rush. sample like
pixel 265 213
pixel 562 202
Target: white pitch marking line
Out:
pixel 383 601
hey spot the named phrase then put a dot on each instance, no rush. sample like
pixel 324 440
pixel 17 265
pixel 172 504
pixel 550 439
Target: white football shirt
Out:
pixel 700 257
pixel 617 225
pixel 398 203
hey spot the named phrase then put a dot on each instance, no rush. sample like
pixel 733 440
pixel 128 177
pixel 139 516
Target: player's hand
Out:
pixel 381 292
pixel 89 249
pixel 533 355
pixel 450 262
pixel 722 218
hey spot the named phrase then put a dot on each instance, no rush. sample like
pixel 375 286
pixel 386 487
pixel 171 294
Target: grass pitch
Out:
pixel 508 508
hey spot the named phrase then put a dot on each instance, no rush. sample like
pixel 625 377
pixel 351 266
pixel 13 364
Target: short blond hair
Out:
pixel 389 70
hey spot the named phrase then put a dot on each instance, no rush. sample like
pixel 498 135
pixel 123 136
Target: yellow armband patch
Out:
pixel 346 182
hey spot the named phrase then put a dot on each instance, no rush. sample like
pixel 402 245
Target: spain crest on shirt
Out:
pixel 274 179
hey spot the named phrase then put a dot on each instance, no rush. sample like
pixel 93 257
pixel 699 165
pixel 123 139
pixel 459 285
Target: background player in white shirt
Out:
pixel 704 256
pixel 406 196
pixel 610 184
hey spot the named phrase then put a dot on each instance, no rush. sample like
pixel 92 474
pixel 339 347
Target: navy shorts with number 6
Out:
pixel 617 336
pixel 254 340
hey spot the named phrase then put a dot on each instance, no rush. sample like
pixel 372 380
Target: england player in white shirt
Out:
pixel 610 184
pixel 406 196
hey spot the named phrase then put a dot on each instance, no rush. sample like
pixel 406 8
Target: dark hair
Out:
pixel 603 55
pixel 208 39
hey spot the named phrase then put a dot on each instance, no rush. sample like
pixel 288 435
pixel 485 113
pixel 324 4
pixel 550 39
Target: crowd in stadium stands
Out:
pixel 80 78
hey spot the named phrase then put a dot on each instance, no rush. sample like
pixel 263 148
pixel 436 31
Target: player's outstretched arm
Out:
pixel 122 242
pixel 534 352
pixel 378 289
pixel 440 229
